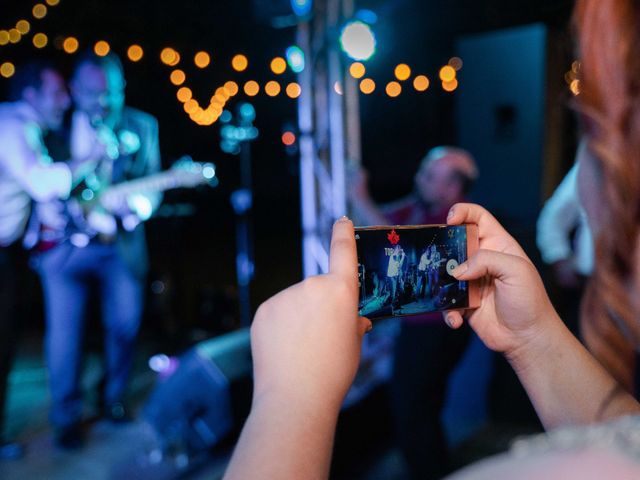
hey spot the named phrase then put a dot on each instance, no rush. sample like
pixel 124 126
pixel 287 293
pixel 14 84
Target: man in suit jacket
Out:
pixel 110 254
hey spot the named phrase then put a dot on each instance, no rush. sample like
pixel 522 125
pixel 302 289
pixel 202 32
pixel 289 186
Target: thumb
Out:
pixel 491 263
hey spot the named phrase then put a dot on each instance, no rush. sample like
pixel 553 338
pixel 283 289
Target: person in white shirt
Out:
pixel 396 259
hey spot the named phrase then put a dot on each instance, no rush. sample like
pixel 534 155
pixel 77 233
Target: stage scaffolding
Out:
pixel 329 129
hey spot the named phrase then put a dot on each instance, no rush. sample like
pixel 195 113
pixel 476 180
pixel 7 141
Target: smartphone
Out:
pixel 405 270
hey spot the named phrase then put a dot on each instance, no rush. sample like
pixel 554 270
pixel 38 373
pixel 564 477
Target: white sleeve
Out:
pixel 559 216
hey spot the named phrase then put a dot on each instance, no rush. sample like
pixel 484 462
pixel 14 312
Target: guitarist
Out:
pixel 114 260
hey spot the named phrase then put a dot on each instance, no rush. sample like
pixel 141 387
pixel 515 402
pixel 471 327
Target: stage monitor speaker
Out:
pixel 207 397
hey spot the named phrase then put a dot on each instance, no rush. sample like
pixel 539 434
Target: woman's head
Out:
pixel 608 34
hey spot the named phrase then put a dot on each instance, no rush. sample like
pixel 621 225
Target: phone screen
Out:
pixel 404 270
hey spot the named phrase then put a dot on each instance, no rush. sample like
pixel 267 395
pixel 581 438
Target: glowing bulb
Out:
pixel 278 65
pixel 447 73
pixel 14 35
pixel 232 87
pixel 456 63
pixel 4 37
pixel 239 63
pixel 23 26
pixel 393 89
pixel 402 71
pixel 358 40
pixel 367 86
pixel 184 94
pixel 190 106
pixel 272 88
pixel 421 83
pixel 357 70
pixel 39 10
pixel 450 86
pixel 251 88
pixel 135 53
pixel 53 3
pixel 70 45
pixel 177 77
pixel 169 56
pixel 293 90
pixel 202 59
pixel 7 69
pixel 288 138
pixel 101 48
pixel 40 40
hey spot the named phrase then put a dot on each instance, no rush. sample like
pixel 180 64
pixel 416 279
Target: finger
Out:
pixel 472 213
pixel 365 325
pixel 453 319
pixel 342 256
pixel 491 263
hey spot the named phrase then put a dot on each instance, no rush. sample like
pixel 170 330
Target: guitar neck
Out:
pixel 158 182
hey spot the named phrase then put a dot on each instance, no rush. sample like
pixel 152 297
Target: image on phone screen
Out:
pixel 405 270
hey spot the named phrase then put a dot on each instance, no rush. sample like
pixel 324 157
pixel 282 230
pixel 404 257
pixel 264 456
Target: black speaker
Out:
pixel 206 398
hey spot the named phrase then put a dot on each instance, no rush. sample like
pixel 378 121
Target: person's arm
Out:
pixel 305 343
pixel 564 382
pixel 363 208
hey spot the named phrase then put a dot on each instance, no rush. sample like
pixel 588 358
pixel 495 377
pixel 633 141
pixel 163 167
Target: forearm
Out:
pixel 565 383
pixel 285 438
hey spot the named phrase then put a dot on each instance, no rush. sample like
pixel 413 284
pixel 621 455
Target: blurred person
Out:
pixel 426 351
pixel 27 173
pixel 301 377
pixel 111 255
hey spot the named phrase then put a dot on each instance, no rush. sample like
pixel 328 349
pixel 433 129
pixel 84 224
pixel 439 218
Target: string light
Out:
pixel 4 37
pixel 184 94
pixel 251 88
pixel 52 3
pixel 202 59
pixel 293 90
pixel 169 56
pixel 23 26
pixel 177 77
pixel 357 70
pixel 239 63
pixel 456 63
pixel 278 65
pixel 40 40
pixel 14 35
pixel 402 71
pixel 450 86
pixel 39 11
pixel 231 87
pixel 367 86
pixel 272 88
pixel 447 73
pixel 135 53
pixel 421 83
pixel 70 45
pixel 7 69
pixel 393 89
pixel 101 48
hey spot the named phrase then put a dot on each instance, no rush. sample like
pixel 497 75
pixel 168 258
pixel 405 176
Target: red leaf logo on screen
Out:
pixel 393 237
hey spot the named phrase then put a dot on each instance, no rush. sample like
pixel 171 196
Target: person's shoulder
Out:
pixel 136 116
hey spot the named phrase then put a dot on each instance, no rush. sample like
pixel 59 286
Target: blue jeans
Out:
pixel 67 272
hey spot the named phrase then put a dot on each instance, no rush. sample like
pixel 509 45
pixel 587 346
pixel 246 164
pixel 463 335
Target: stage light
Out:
pixel 23 26
pixel 421 83
pixel 4 37
pixel 456 63
pixel 358 40
pixel 101 48
pixel 7 69
pixel 40 40
pixel 293 90
pixel 53 3
pixel 337 87
pixel 447 73
pixel 402 71
pixel 70 45
pixel 239 63
pixel 272 88
pixel 39 10
pixel 135 53
pixel 14 35
pixel 202 59
pixel 184 94
pixel 301 8
pixel 450 86
pixel 169 56
pixel 278 65
pixel 295 58
pixel 177 77
pixel 367 86
pixel 247 112
pixel 232 87
pixel 357 70
pixel 288 138
pixel 251 88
